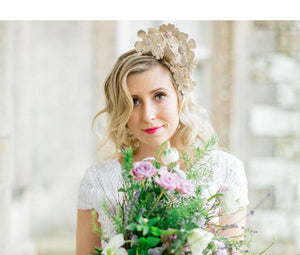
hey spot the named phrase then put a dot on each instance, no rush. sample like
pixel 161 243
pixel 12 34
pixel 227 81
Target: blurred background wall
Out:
pixel 51 81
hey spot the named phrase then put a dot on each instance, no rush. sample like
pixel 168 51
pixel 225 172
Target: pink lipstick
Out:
pixel 152 130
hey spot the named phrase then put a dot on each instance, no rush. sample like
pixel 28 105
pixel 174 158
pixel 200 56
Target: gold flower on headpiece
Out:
pixel 183 80
pixel 172 45
pixel 170 28
pixel 153 42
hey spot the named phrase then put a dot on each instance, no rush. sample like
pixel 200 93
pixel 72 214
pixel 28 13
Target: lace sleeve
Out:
pixel 89 193
pixel 234 174
pixel 101 183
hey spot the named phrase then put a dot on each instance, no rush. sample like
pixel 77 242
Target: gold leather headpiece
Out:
pixel 173 46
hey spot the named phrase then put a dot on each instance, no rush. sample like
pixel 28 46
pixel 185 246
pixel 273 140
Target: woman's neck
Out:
pixel 145 152
pixel 151 151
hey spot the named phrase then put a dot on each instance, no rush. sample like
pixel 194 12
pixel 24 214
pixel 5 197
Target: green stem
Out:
pixel 267 248
pixel 132 242
pixel 143 183
pixel 160 148
pixel 171 202
pixel 168 145
pixel 159 197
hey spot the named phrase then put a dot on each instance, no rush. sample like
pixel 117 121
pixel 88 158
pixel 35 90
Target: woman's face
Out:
pixel 154 118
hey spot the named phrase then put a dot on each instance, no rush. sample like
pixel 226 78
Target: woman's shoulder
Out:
pixel 93 184
pixel 225 159
pixel 229 166
pixel 102 169
pixel 104 166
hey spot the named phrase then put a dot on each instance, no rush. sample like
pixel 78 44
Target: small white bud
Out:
pixel 169 156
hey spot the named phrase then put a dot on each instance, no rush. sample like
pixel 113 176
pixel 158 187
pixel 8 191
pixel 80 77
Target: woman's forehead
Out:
pixel 149 80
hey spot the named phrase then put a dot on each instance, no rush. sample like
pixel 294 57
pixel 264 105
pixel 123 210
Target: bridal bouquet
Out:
pixel 164 209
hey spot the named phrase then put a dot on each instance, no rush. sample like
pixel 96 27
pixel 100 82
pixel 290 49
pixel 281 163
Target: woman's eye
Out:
pixel 160 96
pixel 135 101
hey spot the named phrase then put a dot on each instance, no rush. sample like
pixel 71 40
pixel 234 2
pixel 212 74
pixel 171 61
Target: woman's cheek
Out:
pixel 132 120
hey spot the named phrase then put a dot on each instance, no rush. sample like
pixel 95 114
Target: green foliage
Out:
pixel 149 242
pixel 215 196
pixel 127 163
pixel 127 166
pixel 157 164
pixel 97 230
pixel 177 244
pixel 184 214
pixel 98 251
pixel 176 211
pixel 196 167
pixel 118 219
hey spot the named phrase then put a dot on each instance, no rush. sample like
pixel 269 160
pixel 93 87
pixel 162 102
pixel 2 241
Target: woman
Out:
pixel 148 102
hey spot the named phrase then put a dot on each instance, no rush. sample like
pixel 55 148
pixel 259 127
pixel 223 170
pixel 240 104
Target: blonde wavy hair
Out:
pixel 194 124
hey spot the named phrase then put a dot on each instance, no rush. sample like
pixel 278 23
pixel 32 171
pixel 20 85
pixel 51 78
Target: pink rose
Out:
pixel 167 180
pixel 185 187
pixel 142 170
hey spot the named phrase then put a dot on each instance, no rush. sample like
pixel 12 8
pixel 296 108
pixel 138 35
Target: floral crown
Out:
pixel 173 46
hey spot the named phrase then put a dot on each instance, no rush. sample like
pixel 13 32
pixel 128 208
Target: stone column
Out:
pixel 5 137
pixel 241 89
pixel 222 79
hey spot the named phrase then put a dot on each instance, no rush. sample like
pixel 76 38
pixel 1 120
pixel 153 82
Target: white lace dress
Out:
pixel 102 181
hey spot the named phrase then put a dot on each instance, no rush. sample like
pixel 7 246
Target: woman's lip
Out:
pixel 152 130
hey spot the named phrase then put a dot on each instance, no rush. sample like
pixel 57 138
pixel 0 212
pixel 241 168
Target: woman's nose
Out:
pixel 149 112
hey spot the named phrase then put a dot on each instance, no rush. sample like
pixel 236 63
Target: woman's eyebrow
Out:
pixel 151 92
pixel 155 90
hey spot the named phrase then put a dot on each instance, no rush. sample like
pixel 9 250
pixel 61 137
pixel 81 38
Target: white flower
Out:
pixel 114 246
pixel 230 201
pixel 169 155
pixel 198 240
pixel 179 172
